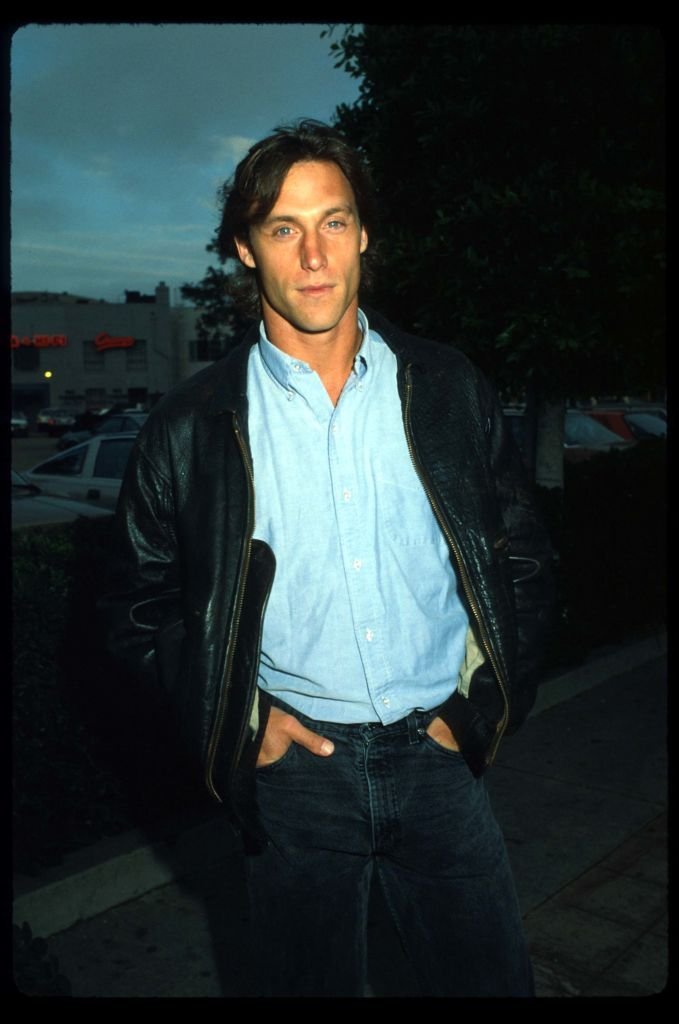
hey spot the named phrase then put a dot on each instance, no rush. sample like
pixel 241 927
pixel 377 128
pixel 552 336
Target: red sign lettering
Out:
pixel 40 341
pixel 103 341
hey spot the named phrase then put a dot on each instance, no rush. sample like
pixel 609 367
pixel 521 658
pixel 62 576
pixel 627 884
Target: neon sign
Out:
pixel 104 341
pixel 39 341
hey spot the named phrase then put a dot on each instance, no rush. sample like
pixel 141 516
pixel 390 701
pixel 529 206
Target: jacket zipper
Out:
pixel 462 571
pixel 221 708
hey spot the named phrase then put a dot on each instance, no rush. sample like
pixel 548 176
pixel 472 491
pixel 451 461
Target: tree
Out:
pixel 521 172
pixel 222 321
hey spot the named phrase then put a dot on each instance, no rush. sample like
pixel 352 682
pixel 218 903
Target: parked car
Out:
pixel 19 424
pixel 632 424
pixel 130 422
pixel 30 507
pixel 583 432
pixel 583 436
pixel 55 420
pixel 92 471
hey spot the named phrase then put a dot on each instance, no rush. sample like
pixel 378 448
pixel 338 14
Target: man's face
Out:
pixel 307 251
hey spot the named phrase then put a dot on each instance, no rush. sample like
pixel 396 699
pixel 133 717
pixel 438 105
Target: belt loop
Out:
pixel 416 726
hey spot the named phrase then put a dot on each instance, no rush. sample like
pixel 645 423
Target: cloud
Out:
pixel 232 148
pixel 133 128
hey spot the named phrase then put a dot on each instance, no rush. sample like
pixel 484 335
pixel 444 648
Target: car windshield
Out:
pixel 126 422
pixel 20 483
pixel 582 430
pixel 69 464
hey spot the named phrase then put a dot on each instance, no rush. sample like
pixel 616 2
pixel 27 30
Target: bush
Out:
pixel 36 971
pixel 93 755
pixel 608 529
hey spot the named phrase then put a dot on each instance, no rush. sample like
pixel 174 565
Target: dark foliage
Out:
pixel 521 175
pixel 224 316
pixel 609 529
pixel 36 971
pixel 94 755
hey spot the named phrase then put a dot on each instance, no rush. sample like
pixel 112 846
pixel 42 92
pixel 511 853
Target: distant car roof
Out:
pixel 586 432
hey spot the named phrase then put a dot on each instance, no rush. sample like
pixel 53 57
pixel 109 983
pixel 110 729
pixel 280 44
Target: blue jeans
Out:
pixel 389 798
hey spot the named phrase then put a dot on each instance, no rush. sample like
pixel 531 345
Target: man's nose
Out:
pixel 313 252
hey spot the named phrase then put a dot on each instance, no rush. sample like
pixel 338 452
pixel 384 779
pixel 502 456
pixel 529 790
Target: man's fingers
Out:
pixel 441 734
pixel 283 728
pixel 313 741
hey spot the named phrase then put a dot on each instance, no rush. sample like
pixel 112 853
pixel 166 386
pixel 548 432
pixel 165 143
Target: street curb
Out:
pixel 117 870
pixel 120 869
pixel 597 669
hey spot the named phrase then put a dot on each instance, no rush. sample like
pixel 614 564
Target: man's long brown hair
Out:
pixel 249 196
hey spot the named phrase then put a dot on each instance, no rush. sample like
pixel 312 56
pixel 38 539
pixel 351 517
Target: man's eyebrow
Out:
pixel 344 208
pixel 284 218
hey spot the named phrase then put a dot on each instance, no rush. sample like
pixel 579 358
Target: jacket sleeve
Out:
pixel 524 558
pixel 529 564
pixel 143 612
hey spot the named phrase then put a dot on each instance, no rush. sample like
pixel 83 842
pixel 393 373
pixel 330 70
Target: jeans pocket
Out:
pixel 440 749
pixel 272 766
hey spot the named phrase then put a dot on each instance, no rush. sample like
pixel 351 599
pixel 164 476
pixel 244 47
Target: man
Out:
pixel 329 555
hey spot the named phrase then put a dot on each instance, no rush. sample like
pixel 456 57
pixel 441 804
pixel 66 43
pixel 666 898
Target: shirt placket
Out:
pixel 354 512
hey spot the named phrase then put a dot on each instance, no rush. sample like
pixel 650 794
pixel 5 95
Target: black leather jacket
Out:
pixel 193 584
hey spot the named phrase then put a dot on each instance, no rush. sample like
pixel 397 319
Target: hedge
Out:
pixel 93 754
pixel 609 531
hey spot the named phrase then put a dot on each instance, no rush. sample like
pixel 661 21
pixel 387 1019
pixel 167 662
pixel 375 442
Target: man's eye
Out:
pixel 335 225
pixel 284 231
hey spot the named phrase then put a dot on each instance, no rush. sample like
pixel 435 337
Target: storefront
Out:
pixel 81 353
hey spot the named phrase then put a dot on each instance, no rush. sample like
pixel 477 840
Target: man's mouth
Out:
pixel 316 289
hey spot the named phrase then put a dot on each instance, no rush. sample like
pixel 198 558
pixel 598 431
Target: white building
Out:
pixel 82 353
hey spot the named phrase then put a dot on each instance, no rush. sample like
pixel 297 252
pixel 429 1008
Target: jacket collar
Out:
pixel 405 346
pixel 230 373
pixel 230 377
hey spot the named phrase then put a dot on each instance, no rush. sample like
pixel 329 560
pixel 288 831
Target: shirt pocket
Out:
pixel 403 508
pixel 408 517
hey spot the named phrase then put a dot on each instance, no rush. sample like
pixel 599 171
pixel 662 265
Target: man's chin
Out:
pixel 316 321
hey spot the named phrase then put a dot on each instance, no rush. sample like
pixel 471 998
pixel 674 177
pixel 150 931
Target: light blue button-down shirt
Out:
pixel 363 622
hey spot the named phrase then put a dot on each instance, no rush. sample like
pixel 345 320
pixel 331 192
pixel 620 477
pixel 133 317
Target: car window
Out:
pixel 18 481
pixel 133 422
pixel 68 464
pixel 112 457
pixel 646 424
pixel 111 425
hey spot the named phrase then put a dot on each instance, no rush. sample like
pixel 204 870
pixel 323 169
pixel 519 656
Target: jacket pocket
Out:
pixel 170 647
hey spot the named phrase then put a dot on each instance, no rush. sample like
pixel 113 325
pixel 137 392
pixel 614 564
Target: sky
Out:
pixel 121 135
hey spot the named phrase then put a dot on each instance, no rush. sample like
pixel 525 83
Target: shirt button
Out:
pixel 386 701
pixel 357 563
pixel 296 367
pixel 369 635
pixel 346 494
pixel 290 395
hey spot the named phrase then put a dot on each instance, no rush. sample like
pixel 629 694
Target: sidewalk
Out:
pixel 580 793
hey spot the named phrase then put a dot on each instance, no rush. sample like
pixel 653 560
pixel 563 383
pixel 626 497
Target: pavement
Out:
pixel 580 792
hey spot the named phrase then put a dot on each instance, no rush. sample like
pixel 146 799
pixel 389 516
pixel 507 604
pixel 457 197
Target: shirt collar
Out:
pixel 286 370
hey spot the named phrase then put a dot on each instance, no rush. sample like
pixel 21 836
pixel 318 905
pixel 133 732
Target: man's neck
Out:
pixel 330 353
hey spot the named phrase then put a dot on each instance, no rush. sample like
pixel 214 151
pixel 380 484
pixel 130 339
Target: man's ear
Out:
pixel 245 252
pixel 364 240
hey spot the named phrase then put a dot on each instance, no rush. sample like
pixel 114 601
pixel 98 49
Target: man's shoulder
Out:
pixel 217 388
pixel 424 353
